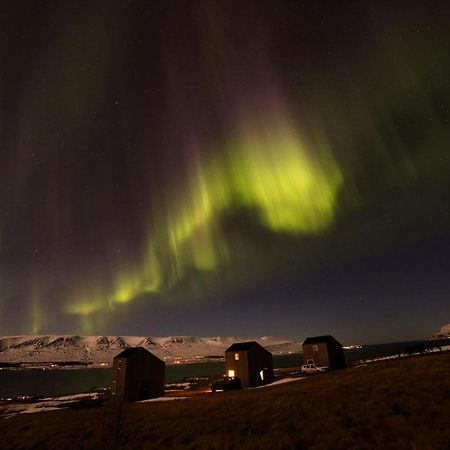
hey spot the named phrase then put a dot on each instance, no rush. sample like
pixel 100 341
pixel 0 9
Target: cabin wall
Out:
pixel 119 377
pixel 239 366
pixel 337 356
pixel 138 377
pixel 260 360
pixel 328 354
pixel 249 366
pixel 317 352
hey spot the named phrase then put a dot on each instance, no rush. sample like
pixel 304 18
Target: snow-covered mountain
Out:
pixel 102 349
pixel 444 332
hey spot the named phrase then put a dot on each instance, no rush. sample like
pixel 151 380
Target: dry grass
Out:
pixel 401 404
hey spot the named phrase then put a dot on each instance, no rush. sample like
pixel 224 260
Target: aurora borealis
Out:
pixel 234 168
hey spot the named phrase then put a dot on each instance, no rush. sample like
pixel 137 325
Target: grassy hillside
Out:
pixel 402 404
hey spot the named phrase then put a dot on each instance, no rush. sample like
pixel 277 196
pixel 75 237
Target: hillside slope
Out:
pixel 401 404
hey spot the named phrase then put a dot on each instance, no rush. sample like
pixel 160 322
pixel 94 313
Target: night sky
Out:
pixel 212 168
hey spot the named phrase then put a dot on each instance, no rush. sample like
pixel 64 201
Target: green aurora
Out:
pixel 269 171
pixel 262 152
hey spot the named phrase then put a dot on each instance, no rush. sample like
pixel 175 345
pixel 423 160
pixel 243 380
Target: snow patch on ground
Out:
pixel 46 404
pixel 162 399
pixel 71 397
pixel 39 409
pixel 282 381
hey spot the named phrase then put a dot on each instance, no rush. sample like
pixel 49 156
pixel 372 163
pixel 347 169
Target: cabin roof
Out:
pixel 131 351
pixel 319 339
pixel 241 346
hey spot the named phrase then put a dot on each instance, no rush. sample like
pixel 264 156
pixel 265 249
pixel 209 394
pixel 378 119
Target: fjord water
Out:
pixel 52 382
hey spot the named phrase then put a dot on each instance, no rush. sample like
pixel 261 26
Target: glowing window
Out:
pixel 261 374
pixel 315 348
pixel 236 356
pixel 231 373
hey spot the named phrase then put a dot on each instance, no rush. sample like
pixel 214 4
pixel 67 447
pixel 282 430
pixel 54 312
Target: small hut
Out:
pixel 137 375
pixel 250 362
pixel 324 351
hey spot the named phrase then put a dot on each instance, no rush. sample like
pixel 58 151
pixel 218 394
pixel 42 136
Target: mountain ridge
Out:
pixel 100 350
pixel 444 332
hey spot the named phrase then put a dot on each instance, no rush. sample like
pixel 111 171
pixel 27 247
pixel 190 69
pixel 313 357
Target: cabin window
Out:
pixel 315 348
pixel 236 356
pixel 231 373
pixel 261 374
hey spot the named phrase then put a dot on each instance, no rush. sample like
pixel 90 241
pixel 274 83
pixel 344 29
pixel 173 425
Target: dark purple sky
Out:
pixel 225 168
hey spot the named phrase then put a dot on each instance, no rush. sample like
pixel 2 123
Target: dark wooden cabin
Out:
pixel 138 375
pixel 250 362
pixel 324 351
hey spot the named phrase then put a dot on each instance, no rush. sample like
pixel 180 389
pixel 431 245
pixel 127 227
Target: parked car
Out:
pixel 226 384
pixel 311 369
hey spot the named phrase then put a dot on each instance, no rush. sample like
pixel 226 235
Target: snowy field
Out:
pixel 46 404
